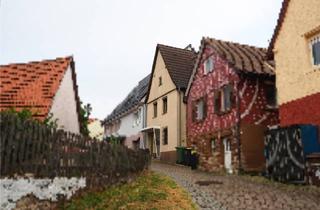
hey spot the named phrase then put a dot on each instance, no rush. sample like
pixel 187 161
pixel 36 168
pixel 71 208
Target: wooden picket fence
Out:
pixel 30 147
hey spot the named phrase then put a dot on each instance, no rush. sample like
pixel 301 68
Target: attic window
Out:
pixel 208 65
pixel 315 50
pixel 160 81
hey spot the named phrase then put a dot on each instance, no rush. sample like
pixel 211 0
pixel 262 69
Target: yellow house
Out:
pixel 166 111
pixel 95 129
pixel 295 47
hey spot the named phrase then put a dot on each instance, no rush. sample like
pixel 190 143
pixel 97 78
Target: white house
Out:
pixel 45 88
pixel 129 117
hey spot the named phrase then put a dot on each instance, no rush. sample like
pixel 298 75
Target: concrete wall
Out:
pixel 64 106
pixel 296 76
pixel 171 118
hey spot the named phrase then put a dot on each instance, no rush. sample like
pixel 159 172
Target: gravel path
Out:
pixel 211 191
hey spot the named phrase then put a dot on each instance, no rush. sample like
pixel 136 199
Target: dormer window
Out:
pixel 208 65
pixel 315 50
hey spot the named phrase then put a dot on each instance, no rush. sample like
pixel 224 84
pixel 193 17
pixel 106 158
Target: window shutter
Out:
pixel 194 111
pixel 217 102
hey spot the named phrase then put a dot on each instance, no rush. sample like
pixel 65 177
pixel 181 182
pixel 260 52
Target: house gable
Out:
pixel 296 75
pixel 248 81
pixel 159 71
pixel 64 106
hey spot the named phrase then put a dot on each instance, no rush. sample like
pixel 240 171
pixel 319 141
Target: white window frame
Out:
pixel 312 40
pixel 223 99
pixel 200 109
pixel 208 62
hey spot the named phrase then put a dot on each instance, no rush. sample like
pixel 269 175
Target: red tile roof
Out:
pixel 282 15
pixel 33 85
pixel 244 58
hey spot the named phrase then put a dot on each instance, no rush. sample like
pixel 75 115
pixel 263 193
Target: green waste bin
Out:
pixel 180 155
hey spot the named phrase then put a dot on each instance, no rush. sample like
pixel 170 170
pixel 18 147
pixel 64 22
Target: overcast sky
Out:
pixel 113 41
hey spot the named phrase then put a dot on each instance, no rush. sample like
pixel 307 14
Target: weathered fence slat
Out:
pixel 30 147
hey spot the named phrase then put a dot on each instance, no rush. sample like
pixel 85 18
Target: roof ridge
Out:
pixel 231 42
pixel 36 62
pixel 178 48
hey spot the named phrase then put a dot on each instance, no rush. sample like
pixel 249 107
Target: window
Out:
pixel 155 109
pixel 315 50
pixel 224 99
pixel 137 118
pixel 160 81
pixel 213 145
pixel 199 109
pixel 271 95
pixel 208 66
pixel 165 136
pixel 164 105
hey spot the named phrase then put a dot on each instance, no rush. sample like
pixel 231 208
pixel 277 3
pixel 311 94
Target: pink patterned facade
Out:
pixel 243 124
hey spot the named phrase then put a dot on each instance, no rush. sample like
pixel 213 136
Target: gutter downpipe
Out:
pixel 179 119
pixel 238 134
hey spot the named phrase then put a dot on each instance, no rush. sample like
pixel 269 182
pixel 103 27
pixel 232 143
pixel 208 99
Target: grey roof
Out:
pixel 131 101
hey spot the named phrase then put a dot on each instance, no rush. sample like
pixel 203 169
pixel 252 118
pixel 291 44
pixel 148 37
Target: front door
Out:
pixel 227 155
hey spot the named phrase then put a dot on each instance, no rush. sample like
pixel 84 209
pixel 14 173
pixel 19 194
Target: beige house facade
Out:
pixel 166 111
pixel 295 47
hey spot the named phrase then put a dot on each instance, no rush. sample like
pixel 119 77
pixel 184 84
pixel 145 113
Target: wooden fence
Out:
pixel 30 147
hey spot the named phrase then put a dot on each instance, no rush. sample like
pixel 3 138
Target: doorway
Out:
pixel 227 155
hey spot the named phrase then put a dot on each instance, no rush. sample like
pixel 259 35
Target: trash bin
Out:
pixel 180 154
pixel 187 156
pixel 194 160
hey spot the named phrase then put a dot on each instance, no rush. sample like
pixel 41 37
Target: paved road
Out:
pixel 240 192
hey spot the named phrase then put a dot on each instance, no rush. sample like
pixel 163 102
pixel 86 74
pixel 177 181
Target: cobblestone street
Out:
pixel 213 191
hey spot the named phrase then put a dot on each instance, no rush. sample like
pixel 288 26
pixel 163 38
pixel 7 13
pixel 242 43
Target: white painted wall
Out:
pixel 44 189
pixel 132 123
pixel 64 107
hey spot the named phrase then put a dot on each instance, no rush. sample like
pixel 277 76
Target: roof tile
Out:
pixel 179 63
pixel 31 85
pixel 244 58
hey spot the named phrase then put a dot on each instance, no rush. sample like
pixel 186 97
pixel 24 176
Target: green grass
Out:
pixel 148 191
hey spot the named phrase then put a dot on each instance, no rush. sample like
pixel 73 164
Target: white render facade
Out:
pixel 130 126
pixel 64 106
pixel 128 119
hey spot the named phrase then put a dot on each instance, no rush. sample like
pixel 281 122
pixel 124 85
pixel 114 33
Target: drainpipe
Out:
pixel 179 119
pixel 144 124
pixel 238 134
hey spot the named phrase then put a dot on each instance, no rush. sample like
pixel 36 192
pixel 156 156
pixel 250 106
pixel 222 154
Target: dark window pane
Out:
pixel 165 105
pixel 271 95
pixel 316 53
pixel 165 136
pixel 155 110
